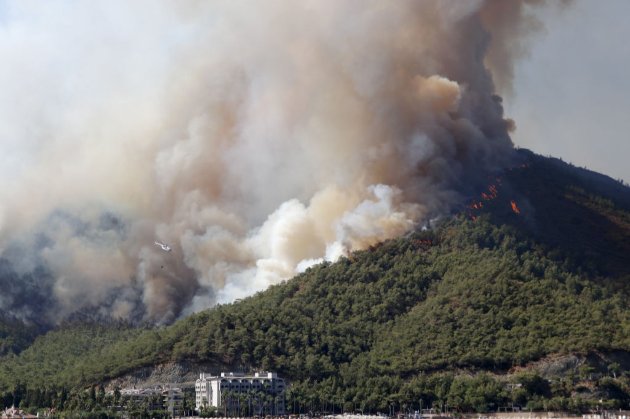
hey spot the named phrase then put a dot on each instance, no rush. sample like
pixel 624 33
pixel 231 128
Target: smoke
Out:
pixel 255 141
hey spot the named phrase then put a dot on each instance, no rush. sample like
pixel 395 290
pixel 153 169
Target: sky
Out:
pixel 572 93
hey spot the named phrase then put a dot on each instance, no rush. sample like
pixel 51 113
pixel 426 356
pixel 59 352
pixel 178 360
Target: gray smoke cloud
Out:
pixel 255 140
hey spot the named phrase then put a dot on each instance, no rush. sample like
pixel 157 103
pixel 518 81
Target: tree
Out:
pixel 19 392
pixel 7 400
pixel 535 385
pixel 117 395
pixel 614 368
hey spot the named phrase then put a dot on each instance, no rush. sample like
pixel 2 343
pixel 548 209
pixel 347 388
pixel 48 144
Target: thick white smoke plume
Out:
pixel 253 138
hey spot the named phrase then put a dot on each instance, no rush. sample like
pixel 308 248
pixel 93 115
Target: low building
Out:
pixel 151 396
pixel 15 413
pixel 163 397
pixel 240 394
pixel 173 401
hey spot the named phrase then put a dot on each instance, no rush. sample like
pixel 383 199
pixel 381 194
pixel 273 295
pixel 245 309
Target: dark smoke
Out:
pixel 253 141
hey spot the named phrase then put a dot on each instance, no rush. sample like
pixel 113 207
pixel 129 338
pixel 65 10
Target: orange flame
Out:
pixel 515 207
pixel 493 193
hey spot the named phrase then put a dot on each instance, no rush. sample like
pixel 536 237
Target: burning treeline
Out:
pixel 486 198
pixel 253 141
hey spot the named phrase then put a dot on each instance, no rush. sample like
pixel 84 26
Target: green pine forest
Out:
pixel 457 317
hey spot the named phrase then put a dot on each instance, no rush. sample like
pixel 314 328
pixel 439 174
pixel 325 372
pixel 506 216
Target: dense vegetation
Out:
pixel 15 335
pixel 535 266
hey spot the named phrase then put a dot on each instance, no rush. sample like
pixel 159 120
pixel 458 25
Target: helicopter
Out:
pixel 164 246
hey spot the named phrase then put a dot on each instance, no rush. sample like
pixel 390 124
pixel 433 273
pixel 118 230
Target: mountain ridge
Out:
pixel 531 268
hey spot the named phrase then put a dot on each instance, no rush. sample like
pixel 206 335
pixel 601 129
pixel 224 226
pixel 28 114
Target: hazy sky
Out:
pixel 573 91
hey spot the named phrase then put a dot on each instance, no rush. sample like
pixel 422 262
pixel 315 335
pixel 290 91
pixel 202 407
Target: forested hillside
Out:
pixel 15 335
pixel 535 266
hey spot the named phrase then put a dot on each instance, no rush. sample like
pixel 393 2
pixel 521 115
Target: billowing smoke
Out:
pixel 253 139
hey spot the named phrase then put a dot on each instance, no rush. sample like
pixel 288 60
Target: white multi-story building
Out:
pixel 260 393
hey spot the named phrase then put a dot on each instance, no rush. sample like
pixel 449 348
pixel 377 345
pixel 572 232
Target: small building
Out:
pixel 151 396
pixel 15 413
pixel 173 401
pixel 157 398
pixel 240 394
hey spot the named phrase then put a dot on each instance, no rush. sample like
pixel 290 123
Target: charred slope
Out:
pixel 574 212
pixel 536 265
